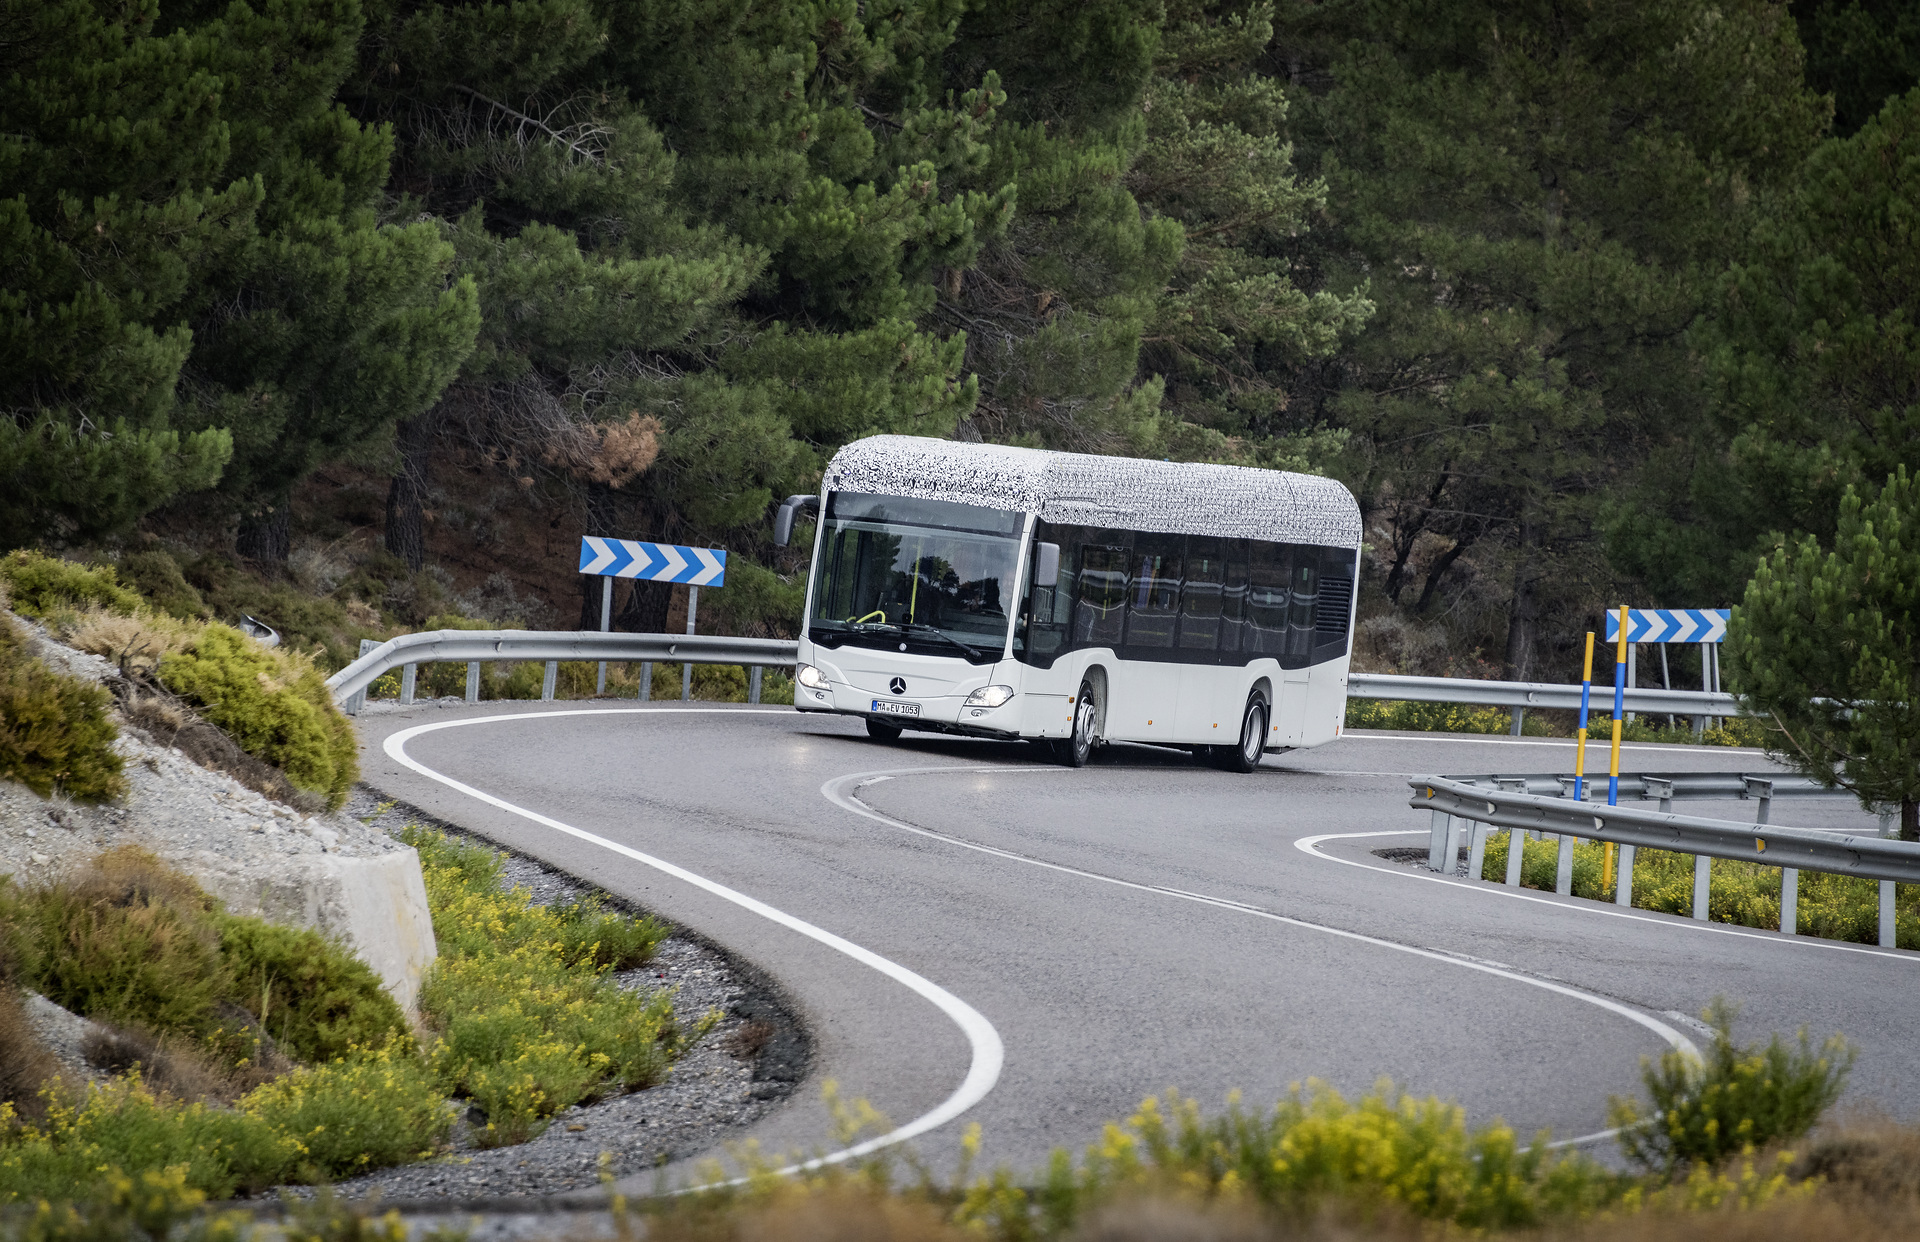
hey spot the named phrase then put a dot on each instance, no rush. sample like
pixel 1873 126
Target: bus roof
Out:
pixel 1185 498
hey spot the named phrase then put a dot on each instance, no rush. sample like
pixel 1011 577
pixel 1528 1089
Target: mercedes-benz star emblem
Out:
pixel 898 685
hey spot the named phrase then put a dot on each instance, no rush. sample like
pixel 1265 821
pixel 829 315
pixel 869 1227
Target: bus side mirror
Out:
pixel 1046 566
pixel 783 517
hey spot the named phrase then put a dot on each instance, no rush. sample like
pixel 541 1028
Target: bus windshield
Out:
pixel 927 576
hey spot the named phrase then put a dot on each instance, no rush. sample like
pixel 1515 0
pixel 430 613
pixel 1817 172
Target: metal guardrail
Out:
pixel 1524 694
pixel 1456 803
pixel 475 647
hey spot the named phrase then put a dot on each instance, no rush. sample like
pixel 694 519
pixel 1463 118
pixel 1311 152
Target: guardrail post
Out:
pixel 1456 829
pixel 1623 879
pixel 1516 855
pixel 1789 901
pixel 1659 788
pixel 1760 789
pixel 357 701
pixel 1702 884
pixel 1563 871
pixel 473 681
pixel 1886 824
pixel 409 680
pixel 753 683
pixel 1438 836
pixel 547 679
pixel 1519 715
pixel 1886 915
pixel 1477 852
pixel 646 681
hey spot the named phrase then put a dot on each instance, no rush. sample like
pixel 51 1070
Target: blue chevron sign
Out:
pixel 1670 625
pixel 653 562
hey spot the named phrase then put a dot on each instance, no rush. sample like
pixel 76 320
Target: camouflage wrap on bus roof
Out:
pixel 1185 498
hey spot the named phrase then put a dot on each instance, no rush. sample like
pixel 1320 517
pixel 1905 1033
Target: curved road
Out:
pixel 973 935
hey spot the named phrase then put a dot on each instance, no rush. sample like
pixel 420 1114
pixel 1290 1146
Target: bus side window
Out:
pixel 1306 582
pixel 1266 627
pixel 1200 594
pixel 1153 599
pixel 1100 617
pixel 1233 595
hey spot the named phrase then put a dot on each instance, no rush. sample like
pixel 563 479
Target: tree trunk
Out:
pixel 266 536
pixel 1441 565
pixel 407 492
pixel 1523 619
pixel 1910 819
pixel 646 609
pixel 603 518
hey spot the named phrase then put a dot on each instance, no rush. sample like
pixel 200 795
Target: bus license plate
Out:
pixel 886 708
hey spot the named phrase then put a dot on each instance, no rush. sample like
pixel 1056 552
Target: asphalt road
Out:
pixel 974 937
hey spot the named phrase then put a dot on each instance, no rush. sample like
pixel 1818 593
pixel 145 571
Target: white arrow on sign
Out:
pixel 603 556
pixel 641 559
pixel 711 567
pixel 674 562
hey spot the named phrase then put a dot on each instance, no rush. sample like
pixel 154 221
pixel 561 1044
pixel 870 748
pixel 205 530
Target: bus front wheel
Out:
pixel 1253 739
pixel 883 732
pixel 1078 748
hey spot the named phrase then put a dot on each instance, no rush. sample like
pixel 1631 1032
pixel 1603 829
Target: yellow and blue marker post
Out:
pixel 1586 694
pixel 1619 714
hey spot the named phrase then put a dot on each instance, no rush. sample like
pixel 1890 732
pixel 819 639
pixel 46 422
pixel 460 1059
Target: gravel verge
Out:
pixel 746 1066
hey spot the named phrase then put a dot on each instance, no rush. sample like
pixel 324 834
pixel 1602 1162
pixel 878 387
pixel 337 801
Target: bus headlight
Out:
pixel 810 677
pixel 989 696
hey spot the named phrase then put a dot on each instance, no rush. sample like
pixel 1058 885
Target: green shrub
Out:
pixel 309 993
pixel 273 703
pixel 528 1022
pixel 39 584
pixel 55 733
pixel 122 1128
pixel 158 578
pixel 1437 717
pixel 1747 894
pixel 1735 1100
pixel 372 1109
pixel 128 941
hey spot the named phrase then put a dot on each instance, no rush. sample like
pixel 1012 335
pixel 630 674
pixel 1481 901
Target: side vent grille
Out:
pixel 1330 610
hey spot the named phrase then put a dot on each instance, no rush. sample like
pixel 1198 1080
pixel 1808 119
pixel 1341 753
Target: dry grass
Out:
pixel 25 1064
pixel 182 1068
pixel 135 644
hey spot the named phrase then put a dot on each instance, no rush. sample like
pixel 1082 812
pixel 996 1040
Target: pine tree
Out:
pixel 113 154
pixel 1534 196
pixel 1826 648
pixel 1816 358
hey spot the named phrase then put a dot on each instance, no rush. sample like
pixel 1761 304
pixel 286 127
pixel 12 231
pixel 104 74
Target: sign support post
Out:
pixel 606 624
pixel 686 670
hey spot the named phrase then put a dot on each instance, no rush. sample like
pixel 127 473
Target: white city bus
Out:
pixel 1070 599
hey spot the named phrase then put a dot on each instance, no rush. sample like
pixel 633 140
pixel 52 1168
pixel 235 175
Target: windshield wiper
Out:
pixel 921 627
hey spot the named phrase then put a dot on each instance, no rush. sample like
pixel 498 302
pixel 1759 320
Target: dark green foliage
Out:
pixel 1738 1100
pixel 1813 354
pixel 157 577
pixel 611 941
pixel 55 733
pixel 274 704
pixel 127 941
pixel 1862 52
pixel 1826 648
pixel 36 585
pixel 1536 199
pixel 314 998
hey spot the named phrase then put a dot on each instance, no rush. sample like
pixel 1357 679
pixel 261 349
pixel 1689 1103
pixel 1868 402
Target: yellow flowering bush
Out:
pixel 371 1109
pixel 528 1021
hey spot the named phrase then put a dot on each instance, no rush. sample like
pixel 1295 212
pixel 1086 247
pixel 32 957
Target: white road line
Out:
pixel 989 1054
pixel 1310 846
pixel 841 791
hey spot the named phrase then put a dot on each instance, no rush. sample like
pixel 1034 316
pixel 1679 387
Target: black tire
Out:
pixel 1253 738
pixel 1078 747
pixel 883 732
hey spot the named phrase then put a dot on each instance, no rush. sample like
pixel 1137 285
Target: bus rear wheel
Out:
pixel 1253 739
pixel 883 732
